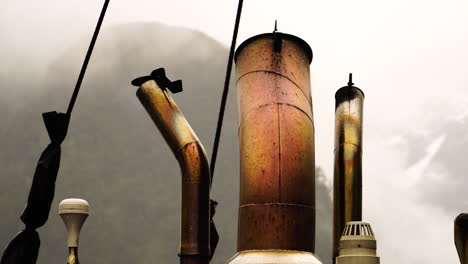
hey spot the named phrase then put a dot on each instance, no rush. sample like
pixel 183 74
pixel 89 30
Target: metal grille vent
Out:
pixel 357 229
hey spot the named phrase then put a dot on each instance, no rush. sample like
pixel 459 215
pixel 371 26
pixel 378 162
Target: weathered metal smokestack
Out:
pixel 277 162
pixel 347 185
pixel 195 219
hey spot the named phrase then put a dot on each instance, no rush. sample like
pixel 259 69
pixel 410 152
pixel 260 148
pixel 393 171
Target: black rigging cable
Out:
pixel 86 61
pixel 225 91
pixel 24 248
pixel 214 237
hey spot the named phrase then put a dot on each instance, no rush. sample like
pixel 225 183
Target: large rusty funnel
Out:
pixel 277 162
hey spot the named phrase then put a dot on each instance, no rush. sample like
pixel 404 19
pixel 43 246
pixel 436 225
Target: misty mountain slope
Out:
pixel 115 157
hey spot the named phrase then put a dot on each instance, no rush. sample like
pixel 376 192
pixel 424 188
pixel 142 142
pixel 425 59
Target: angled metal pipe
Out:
pixel 347 185
pixel 195 220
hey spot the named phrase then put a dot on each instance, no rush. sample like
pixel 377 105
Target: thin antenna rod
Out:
pixel 225 91
pixel 86 61
pixel 276 26
pixel 350 82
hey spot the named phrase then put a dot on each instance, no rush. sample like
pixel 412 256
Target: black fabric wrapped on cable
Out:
pixel 24 248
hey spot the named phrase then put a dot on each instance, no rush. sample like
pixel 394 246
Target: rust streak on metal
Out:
pixel 279 152
pixel 347 186
pixel 343 144
pixel 277 185
pixel 195 221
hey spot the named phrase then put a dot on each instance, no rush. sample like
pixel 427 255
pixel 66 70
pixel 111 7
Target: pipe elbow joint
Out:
pixel 193 161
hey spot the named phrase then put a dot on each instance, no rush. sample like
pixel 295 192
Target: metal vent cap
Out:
pixel 358 245
pixel 357 230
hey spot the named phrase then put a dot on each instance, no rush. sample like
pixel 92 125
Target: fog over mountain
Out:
pixel 409 57
pixel 114 156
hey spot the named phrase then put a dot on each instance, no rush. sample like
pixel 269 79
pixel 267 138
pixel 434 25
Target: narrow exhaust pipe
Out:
pixel 347 185
pixel 189 152
pixel 277 157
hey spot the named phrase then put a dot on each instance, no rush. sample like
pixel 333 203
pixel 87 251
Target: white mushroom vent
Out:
pixel 357 229
pixel 358 245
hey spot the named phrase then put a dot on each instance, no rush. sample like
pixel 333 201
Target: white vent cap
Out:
pixel 361 229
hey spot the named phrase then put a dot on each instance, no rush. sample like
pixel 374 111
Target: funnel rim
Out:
pixel 298 40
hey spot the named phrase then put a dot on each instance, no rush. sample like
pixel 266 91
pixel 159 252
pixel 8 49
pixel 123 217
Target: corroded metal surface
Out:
pixel 195 221
pixel 276 226
pixel 274 257
pixel 461 237
pixel 277 185
pixel 347 195
pixel 166 115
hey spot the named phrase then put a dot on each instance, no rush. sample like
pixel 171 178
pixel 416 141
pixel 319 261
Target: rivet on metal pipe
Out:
pixel 347 185
pixel 195 219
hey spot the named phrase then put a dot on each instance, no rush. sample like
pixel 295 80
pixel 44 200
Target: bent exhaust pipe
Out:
pixel 189 152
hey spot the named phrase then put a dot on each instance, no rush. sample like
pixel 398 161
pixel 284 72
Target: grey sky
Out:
pixel 409 57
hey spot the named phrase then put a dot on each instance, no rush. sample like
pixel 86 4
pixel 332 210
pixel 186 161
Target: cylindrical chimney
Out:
pixel 276 130
pixel 347 185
